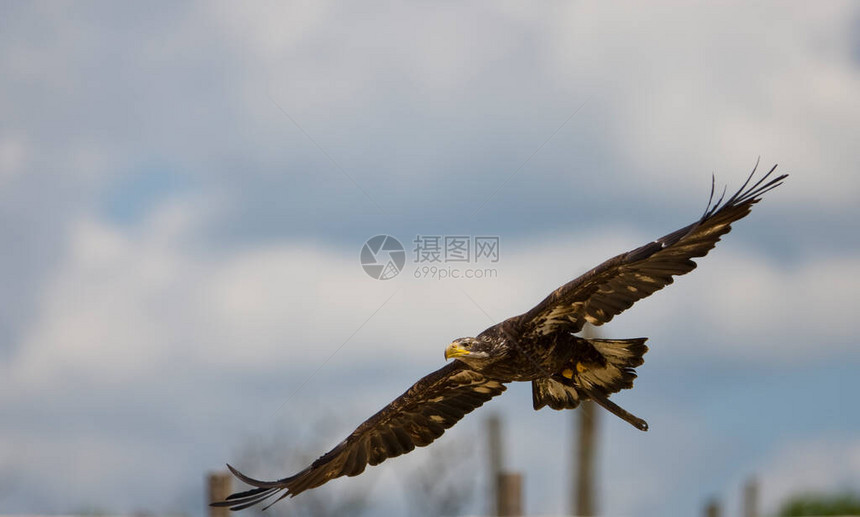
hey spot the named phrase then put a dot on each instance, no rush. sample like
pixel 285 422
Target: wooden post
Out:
pixel 584 504
pixel 220 485
pixel 584 499
pixel 750 498
pixel 712 509
pixel 494 444
pixel 510 494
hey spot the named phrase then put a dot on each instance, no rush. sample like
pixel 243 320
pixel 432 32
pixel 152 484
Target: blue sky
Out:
pixel 185 188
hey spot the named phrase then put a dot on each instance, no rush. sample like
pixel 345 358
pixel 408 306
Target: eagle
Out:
pixel 539 346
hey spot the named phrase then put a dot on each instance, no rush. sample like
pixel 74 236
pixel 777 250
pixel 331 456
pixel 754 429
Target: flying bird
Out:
pixel 539 346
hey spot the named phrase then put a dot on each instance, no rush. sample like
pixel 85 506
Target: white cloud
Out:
pixel 77 467
pixel 797 309
pixel 693 88
pixel 707 85
pixel 13 155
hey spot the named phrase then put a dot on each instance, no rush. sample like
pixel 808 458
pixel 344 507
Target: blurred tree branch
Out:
pixel 287 453
pixel 443 484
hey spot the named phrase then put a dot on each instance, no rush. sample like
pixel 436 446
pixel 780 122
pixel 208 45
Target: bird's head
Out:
pixel 475 352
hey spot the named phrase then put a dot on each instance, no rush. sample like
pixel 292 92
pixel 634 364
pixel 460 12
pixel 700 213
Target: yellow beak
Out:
pixel 455 351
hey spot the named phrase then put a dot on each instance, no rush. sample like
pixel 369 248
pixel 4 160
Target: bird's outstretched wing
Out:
pixel 414 419
pixel 615 285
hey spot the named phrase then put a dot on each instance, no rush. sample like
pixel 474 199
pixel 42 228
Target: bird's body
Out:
pixel 520 358
pixel 539 346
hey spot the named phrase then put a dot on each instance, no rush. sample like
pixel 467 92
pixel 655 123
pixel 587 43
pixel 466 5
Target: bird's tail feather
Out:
pixel 595 381
pixel 622 356
pixel 242 500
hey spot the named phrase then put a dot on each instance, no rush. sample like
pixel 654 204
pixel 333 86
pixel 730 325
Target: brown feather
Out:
pixel 397 429
pixel 615 285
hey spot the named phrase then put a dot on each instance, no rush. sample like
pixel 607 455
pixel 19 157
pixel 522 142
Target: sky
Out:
pixel 185 188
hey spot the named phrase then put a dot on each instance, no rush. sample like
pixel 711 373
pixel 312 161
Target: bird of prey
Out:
pixel 539 346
